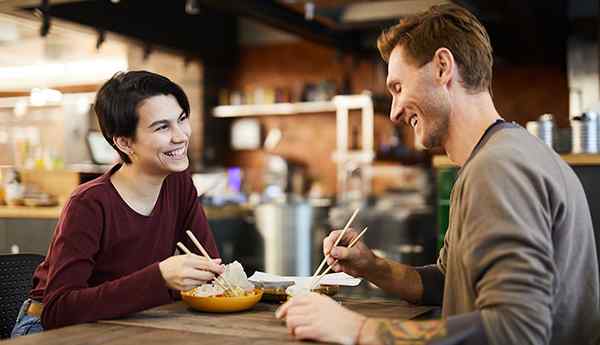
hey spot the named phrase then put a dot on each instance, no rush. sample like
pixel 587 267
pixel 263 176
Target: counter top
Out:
pixel 571 159
pixel 28 212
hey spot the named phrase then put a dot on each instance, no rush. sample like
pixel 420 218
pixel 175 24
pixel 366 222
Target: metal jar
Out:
pixel 286 229
pixel 546 129
pixel 585 133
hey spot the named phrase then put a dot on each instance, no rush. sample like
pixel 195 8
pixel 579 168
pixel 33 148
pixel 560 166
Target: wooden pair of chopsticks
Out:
pixel 316 277
pixel 225 285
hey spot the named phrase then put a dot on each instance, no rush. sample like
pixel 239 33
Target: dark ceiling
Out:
pixel 522 31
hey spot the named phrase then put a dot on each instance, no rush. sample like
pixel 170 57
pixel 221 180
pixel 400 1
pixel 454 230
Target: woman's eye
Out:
pixel 183 117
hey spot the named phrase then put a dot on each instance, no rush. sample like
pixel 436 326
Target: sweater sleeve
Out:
pixel 196 221
pixel 68 298
pixel 433 284
pixel 506 246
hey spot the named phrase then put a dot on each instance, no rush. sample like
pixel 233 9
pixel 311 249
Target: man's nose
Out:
pixel 396 112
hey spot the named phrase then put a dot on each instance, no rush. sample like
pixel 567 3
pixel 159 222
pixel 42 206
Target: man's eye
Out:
pixel 160 128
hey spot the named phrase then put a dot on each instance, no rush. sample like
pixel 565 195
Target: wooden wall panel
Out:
pixel 523 93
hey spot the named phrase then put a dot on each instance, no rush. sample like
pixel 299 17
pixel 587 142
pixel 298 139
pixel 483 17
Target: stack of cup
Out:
pixel 546 129
pixel 585 133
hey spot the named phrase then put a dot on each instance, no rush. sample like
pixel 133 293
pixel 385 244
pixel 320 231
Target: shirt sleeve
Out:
pixel 196 221
pixel 506 247
pixel 432 280
pixel 68 298
pixel 464 329
pixel 443 257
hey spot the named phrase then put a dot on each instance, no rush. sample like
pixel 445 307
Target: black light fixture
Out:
pixel 101 38
pixel 147 52
pixel 44 11
pixel 191 7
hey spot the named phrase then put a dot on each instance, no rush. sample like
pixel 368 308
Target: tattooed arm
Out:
pixel 396 332
pixel 309 317
pixel 466 329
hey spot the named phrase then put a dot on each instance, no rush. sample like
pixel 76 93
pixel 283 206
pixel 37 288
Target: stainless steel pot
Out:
pixel 286 229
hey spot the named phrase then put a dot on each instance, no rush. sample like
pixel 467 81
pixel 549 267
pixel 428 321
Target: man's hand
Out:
pixel 356 261
pixel 317 317
pixel 185 272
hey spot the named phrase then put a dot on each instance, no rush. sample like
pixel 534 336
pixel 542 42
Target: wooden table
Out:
pixel 177 324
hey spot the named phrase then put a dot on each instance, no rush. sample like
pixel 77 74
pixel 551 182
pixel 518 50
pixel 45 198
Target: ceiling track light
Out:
pixel 45 13
pixel 147 52
pixel 191 7
pixel 101 38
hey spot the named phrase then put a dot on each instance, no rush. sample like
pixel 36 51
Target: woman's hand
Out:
pixel 317 317
pixel 185 272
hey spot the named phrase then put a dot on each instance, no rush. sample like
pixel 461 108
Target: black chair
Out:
pixel 16 273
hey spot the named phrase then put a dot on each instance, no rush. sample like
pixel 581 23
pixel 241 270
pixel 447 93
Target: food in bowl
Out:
pixel 229 292
pixel 222 304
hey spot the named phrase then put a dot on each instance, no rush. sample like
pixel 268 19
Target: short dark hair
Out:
pixel 118 100
pixel 449 26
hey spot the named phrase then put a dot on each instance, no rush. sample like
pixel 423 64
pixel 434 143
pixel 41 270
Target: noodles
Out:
pixel 232 283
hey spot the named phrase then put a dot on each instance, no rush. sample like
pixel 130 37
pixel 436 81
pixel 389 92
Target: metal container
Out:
pixel 585 133
pixel 533 127
pixel 546 129
pixel 286 229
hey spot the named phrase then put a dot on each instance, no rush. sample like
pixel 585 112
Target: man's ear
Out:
pixel 444 65
pixel 124 144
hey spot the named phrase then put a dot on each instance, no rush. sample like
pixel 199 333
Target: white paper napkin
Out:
pixel 340 278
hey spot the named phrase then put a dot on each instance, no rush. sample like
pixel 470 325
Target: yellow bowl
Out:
pixel 222 304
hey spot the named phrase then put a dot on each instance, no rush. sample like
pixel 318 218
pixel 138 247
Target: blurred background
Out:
pixel 289 114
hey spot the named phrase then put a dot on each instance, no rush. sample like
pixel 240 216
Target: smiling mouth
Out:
pixel 178 153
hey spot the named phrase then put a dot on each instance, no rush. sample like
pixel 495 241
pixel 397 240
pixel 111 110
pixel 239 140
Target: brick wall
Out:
pixel 521 93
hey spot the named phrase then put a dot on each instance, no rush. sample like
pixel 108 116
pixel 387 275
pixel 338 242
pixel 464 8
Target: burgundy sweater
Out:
pixel 103 259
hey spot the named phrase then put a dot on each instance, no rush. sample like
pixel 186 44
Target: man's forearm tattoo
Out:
pixel 395 332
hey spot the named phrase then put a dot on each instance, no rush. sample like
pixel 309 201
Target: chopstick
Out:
pixel 316 282
pixel 187 251
pixel 336 243
pixel 183 248
pixel 205 253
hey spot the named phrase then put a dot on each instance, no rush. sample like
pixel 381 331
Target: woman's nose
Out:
pixel 179 134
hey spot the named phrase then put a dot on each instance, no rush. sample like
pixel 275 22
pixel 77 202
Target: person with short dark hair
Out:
pixel 519 262
pixel 112 250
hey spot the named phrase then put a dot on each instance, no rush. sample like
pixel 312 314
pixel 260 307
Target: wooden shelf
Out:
pixel 273 109
pixel 571 159
pixel 582 159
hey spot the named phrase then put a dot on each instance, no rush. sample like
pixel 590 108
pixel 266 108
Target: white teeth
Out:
pixel 174 153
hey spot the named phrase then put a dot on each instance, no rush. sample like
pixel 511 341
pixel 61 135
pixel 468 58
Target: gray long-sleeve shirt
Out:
pixel 520 245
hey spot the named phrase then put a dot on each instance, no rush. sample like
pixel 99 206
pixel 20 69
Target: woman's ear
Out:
pixel 124 144
pixel 444 65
